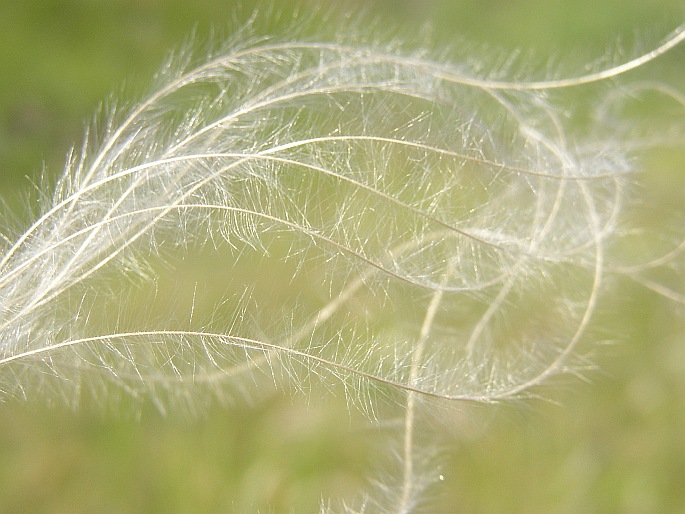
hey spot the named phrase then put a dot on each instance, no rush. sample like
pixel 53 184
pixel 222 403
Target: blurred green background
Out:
pixel 613 444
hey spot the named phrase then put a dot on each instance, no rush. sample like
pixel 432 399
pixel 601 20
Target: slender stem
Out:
pixel 408 457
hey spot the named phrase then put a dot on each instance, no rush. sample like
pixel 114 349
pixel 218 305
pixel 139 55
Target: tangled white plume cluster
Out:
pixel 421 229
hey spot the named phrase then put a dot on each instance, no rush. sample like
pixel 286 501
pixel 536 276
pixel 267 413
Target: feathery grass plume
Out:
pixel 385 221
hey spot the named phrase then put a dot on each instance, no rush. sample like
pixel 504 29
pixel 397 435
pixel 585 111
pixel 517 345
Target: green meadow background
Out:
pixel 614 443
